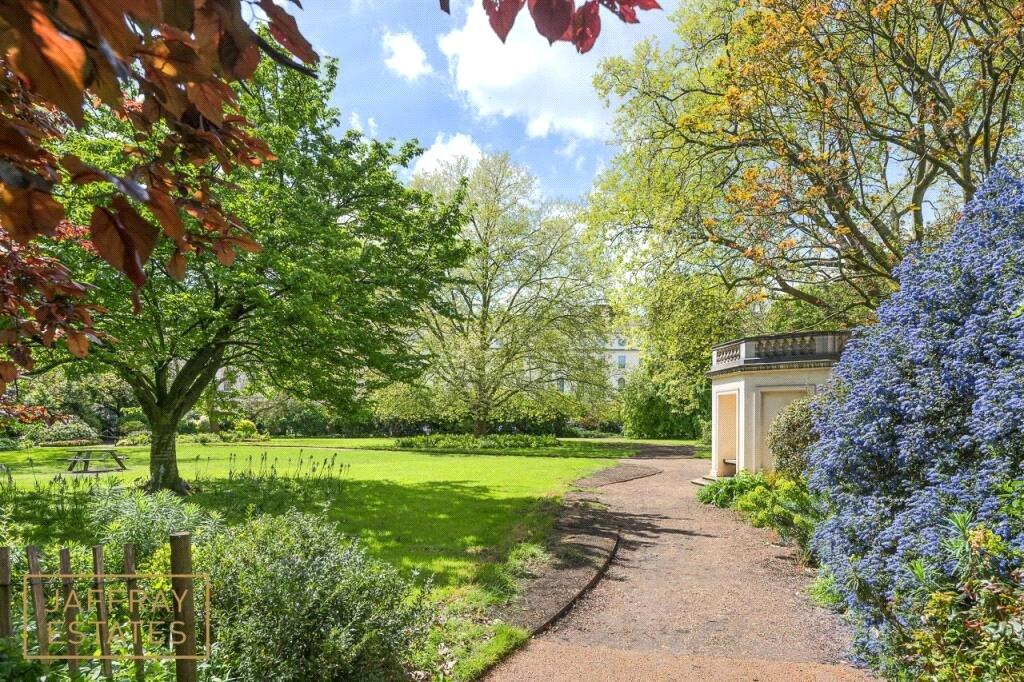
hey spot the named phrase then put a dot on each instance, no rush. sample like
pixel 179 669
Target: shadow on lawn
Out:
pixel 445 527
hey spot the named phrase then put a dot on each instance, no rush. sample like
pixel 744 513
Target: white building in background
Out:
pixel 623 359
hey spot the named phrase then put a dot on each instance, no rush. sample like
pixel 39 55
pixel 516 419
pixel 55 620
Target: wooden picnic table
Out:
pixel 84 458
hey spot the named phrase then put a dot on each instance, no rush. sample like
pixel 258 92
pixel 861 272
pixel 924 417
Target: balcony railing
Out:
pixel 779 348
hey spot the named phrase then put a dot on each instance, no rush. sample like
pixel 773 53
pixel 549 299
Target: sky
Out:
pixel 408 70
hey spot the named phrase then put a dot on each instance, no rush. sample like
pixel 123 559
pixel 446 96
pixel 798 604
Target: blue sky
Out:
pixel 410 71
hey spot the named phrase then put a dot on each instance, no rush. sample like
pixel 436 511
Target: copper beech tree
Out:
pixel 166 67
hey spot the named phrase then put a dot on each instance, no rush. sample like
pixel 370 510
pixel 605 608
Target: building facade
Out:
pixel 752 381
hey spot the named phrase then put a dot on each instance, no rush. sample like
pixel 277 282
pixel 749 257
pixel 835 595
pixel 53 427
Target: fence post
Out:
pixel 70 612
pixel 38 602
pixel 102 626
pixel 133 610
pixel 6 629
pixel 183 586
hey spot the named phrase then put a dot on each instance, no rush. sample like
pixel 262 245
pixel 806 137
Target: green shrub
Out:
pixel 725 491
pixel 295 600
pixel 133 414
pixel 7 444
pixel 137 438
pixel 790 436
pixel 120 516
pixel 465 441
pixel 647 413
pixel 134 426
pixel 787 507
pixel 246 427
pixel 970 626
pixel 72 431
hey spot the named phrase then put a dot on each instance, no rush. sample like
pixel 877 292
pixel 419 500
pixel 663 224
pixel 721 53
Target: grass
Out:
pixel 472 523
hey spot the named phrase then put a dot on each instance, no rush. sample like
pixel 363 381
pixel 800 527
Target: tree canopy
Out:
pixel 350 258
pixel 802 146
pixel 526 308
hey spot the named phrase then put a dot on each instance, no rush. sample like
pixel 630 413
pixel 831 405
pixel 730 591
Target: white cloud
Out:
pixel 549 88
pixel 356 123
pixel 405 56
pixel 448 149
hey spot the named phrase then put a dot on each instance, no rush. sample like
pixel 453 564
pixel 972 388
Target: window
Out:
pixel 561 385
pixel 622 362
pixel 620 383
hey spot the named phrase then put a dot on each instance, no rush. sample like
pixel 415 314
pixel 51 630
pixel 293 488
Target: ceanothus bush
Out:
pixel 926 416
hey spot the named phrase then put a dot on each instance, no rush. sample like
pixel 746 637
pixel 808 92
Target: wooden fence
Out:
pixel 182 582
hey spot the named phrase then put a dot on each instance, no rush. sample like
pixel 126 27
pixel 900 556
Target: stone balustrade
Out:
pixel 779 349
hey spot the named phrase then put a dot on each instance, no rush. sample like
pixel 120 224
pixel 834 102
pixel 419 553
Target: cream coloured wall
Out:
pixel 760 396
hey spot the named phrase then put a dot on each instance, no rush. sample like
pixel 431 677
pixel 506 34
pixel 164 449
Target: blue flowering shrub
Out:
pixel 926 418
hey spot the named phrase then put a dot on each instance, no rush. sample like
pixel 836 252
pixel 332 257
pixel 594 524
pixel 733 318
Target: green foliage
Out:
pixel 135 439
pixel 785 506
pixel 770 501
pixel 647 413
pixel 790 435
pixel 824 592
pixel 14 667
pixel 970 625
pixel 526 303
pixel 119 516
pixel 133 426
pixel 73 430
pixel 465 441
pixel 246 428
pixel 295 600
pixel 725 491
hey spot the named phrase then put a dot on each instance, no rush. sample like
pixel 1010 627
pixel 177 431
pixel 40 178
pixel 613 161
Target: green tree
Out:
pixel 800 147
pixel 350 259
pixel 527 304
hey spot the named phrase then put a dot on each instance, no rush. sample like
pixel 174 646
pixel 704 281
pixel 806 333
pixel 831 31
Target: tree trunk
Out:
pixel 163 456
pixel 480 427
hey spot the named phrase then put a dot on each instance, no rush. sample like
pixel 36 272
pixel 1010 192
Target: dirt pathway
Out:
pixel 694 594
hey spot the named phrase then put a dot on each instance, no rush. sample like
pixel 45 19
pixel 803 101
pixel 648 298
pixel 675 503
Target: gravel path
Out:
pixel 694 594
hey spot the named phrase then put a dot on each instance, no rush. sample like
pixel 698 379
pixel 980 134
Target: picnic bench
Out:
pixel 80 463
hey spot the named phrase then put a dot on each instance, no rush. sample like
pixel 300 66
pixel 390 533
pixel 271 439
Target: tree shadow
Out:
pixel 447 528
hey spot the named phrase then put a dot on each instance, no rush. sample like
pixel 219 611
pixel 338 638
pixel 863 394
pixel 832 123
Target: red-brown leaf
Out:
pixel 27 212
pixel 176 267
pixel 78 343
pixel 165 211
pixel 586 26
pixel 286 32
pixel 48 61
pixel 8 371
pixel 501 14
pixel 552 17
pixel 123 239
pixel 209 99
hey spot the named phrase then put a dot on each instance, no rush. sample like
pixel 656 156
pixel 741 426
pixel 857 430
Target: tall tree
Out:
pixel 806 143
pixel 527 304
pixel 165 68
pixel 350 257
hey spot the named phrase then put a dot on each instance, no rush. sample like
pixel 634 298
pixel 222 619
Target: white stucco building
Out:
pixel 752 380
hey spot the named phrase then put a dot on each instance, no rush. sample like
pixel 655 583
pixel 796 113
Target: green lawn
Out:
pixel 465 521
pixel 442 513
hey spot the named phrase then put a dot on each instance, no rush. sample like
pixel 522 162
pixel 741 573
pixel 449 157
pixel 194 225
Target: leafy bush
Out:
pixel 134 439
pixel 238 436
pixel 133 427
pixel 246 428
pixel 133 414
pixel 7 444
pixel 925 417
pixel 119 516
pixel 725 491
pixel 646 413
pixel 464 441
pixel 294 600
pixel 790 436
pixel 788 508
pixel 72 431
pixel 970 625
